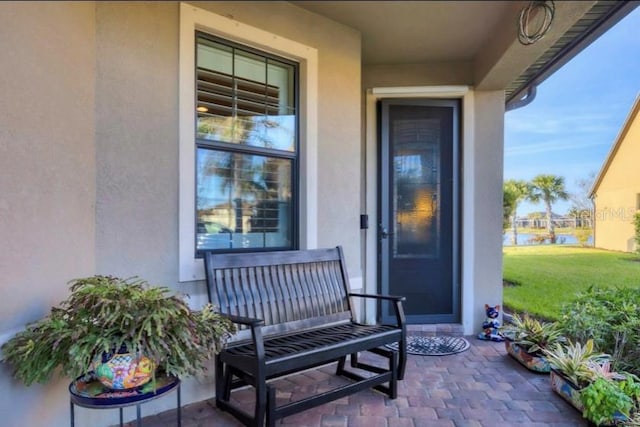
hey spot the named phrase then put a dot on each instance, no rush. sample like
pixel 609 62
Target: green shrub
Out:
pixel 582 235
pixel 603 399
pixel 636 225
pixel 611 317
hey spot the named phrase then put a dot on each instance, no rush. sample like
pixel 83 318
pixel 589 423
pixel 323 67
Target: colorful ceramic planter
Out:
pixel 566 389
pixel 571 393
pixel 530 361
pixel 122 371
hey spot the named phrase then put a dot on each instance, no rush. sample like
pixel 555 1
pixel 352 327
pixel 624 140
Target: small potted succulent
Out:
pixel 108 321
pixel 526 337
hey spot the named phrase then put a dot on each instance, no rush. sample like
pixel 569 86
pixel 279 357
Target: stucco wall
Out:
pixel 435 73
pixel 47 179
pixel 617 195
pixel 137 140
pixel 484 227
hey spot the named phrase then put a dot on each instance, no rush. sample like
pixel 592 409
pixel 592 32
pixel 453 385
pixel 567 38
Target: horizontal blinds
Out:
pixel 222 94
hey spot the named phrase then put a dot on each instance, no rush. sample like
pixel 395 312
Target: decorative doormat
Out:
pixel 434 346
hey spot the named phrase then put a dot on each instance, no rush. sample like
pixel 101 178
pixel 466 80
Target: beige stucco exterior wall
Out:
pixel 617 196
pixel 482 210
pixel 431 74
pixel 137 140
pixel 47 179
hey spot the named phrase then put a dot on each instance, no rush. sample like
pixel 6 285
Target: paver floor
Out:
pixel 481 386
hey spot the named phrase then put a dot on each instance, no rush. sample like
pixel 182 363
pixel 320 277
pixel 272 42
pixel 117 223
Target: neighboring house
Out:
pixel 616 190
pixel 123 126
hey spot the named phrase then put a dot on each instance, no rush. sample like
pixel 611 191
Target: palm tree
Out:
pixel 517 190
pixel 549 189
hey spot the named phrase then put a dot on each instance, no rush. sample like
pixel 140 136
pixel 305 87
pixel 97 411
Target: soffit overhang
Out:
pixel 481 33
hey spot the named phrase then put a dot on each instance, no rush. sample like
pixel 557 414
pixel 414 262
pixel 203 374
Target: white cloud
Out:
pixel 550 122
pixel 556 145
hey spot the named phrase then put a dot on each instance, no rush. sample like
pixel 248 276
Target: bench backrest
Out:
pixel 288 290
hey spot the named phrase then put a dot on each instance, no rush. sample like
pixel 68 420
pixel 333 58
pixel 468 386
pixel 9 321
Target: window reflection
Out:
pixel 244 98
pixel 244 201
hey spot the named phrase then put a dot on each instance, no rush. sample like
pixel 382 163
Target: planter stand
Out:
pixel 532 362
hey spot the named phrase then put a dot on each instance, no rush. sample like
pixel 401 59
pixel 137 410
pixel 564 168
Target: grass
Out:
pixel 545 277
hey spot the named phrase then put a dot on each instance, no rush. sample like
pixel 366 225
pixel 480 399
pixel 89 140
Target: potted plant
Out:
pixel 584 379
pixel 105 316
pixel 526 337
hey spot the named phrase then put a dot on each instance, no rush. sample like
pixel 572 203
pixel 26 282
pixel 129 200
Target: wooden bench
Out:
pixel 295 311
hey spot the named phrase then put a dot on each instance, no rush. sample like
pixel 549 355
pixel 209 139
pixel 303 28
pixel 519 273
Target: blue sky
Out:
pixel 570 126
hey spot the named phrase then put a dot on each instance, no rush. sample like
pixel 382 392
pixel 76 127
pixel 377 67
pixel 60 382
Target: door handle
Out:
pixel 384 233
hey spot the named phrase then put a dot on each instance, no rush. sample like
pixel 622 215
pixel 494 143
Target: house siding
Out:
pixel 616 198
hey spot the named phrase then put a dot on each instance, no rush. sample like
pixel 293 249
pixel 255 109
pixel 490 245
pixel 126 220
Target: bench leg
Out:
pixel 224 378
pixel 262 401
pixel 354 360
pixel 393 382
pixel 271 406
pixel 402 363
pixel 341 362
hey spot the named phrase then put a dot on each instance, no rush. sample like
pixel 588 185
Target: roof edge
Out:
pixel 635 109
pixel 618 10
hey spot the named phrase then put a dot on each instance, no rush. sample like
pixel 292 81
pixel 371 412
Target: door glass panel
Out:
pixel 416 213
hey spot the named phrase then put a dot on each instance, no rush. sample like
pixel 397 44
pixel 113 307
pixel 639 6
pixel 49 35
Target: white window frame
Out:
pixel 192 19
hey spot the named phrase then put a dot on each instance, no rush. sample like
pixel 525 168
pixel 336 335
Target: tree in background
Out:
pixel 517 191
pixel 581 204
pixel 508 200
pixel 549 189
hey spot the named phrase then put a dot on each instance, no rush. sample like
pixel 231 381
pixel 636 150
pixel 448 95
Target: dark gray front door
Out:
pixel 418 210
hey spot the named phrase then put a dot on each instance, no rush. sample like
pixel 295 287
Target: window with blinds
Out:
pixel 246 138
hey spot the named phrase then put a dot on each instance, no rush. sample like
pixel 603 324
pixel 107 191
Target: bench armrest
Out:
pixel 378 296
pixel 249 321
pixel 397 306
pixel 256 334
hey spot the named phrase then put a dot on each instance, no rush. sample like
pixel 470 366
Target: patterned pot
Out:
pixel 530 361
pixel 566 389
pixel 571 393
pixel 122 370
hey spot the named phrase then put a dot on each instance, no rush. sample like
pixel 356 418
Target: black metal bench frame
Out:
pixel 294 310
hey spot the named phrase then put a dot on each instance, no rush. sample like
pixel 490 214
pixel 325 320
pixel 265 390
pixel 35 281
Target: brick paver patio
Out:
pixel 482 386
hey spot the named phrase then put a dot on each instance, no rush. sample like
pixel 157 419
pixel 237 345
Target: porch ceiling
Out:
pixel 481 32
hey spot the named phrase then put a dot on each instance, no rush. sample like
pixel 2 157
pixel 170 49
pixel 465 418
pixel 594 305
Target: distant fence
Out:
pixel 563 221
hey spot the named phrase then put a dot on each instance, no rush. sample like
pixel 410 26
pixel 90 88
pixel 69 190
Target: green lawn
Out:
pixel 547 276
